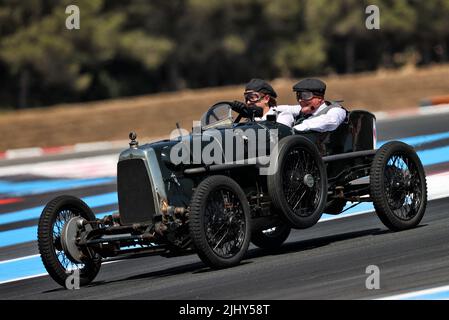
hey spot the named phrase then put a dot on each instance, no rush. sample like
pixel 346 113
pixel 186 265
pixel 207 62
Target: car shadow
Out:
pixel 286 248
pixel 187 268
pixel 310 244
pixel 314 243
pixel 199 267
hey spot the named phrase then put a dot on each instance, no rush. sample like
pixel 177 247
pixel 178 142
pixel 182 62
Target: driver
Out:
pixel 259 93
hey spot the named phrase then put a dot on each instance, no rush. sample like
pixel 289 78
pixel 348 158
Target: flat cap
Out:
pixel 260 85
pixel 312 85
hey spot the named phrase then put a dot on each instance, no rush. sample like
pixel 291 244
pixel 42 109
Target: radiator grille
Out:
pixel 135 196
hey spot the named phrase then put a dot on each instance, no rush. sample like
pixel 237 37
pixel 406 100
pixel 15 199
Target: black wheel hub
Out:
pixel 309 180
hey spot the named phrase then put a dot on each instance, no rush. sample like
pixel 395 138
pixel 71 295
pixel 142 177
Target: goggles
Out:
pixel 304 95
pixel 253 96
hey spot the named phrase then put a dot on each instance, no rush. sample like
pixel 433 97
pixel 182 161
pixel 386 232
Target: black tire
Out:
pixel 398 186
pixel 300 180
pixel 335 206
pixel 55 214
pixel 209 216
pixel 271 238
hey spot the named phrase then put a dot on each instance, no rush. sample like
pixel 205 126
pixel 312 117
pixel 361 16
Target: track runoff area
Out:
pixel 26 187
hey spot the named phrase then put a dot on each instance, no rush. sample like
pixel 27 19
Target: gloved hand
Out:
pixel 245 111
pixel 238 106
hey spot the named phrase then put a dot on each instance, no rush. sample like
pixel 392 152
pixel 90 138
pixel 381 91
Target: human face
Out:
pixel 254 98
pixel 309 102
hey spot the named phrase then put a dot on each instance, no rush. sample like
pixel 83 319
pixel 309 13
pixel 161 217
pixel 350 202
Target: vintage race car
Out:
pixel 228 183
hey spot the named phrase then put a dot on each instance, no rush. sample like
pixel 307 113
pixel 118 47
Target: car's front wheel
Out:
pixel 53 241
pixel 219 222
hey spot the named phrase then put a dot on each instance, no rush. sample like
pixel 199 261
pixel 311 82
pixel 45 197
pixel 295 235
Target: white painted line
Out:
pixel 19 259
pixel 416 294
pixel 437 186
pixel 438 109
pixel 383 116
pixel 73 149
pixel 89 167
pixel 40 274
pixel 24 278
pixel 95 146
pixel 24 153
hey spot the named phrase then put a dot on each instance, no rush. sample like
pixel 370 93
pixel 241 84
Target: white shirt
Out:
pixel 326 122
pixel 285 114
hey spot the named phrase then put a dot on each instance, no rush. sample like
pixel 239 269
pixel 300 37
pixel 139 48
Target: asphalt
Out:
pixel 328 261
pixel 412 126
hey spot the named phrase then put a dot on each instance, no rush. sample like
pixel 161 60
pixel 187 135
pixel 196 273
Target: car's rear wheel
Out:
pixel 219 222
pixel 299 185
pixel 398 186
pixel 52 225
pixel 271 238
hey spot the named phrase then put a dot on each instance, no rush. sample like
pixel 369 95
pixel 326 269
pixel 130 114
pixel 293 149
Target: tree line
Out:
pixel 132 47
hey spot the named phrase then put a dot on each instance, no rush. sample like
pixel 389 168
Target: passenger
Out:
pixel 314 112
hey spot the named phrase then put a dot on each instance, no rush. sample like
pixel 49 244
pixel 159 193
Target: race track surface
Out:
pixel 328 261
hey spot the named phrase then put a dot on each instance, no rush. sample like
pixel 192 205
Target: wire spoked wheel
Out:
pixel 224 222
pixel 58 263
pixel 301 182
pixel 299 187
pixel 402 187
pixel 219 222
pixel 398 186
pixel 63 217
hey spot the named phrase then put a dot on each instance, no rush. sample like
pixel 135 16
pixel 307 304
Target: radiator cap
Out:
pixel 134 143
